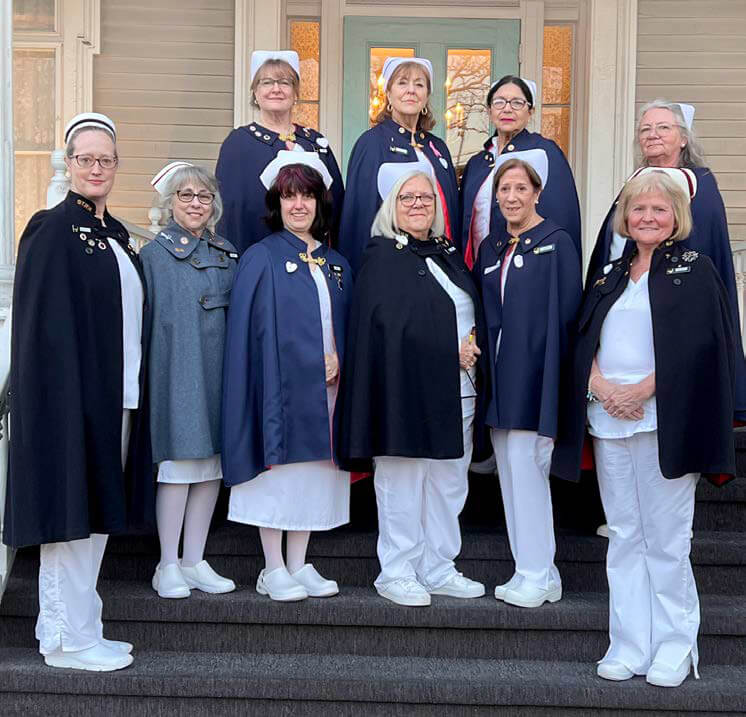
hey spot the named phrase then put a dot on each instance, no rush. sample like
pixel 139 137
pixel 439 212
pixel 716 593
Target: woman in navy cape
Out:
pixel 510 102
pixel 284 346
pixel 667 140
pixel 402 134
pixel 531 288
pixel 247 150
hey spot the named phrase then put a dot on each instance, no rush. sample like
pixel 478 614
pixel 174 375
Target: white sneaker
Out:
pixel 125 647
pixel 460 587
pixel 315 584
pixel 486 467
pixel 527 595
pixel 168 582
pixel 280 585
pixel 204 578
pixel 98 658
pixel 662 675
pixel 613 670
pixel 513 583
pixel 405 591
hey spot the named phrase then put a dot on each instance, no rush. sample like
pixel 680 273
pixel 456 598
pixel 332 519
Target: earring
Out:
pixel 389 108
pixel 424 111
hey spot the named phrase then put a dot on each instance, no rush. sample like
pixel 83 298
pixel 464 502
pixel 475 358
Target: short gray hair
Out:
pixel 692 155
pixel 385 224
pixel 70 146
pixel 197 175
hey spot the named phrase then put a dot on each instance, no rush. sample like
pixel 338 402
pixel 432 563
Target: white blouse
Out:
pixel 464 321
pixel 132 301
pixel 626 355
pixel 480 222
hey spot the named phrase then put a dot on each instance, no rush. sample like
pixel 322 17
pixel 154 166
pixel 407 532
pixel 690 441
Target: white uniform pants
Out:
pixel 419 501
pixel 653 603
pixel 69 605
pixel 523 460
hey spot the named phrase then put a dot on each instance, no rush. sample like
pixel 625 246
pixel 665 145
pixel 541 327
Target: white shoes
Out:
pixel 513 583
pixel 315 584
pixel 168 582
pixel 405 591
pixel 613 670
pixel 98 658
pixel 460 587
pixel 204 578
pixel 662 675
pixel 125 647
pixel 280 585
pixel 527 595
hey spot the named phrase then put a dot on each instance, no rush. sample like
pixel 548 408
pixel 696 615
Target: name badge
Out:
pixel 679 270
pixel 544 249
pixel 490 269
pixel 399 150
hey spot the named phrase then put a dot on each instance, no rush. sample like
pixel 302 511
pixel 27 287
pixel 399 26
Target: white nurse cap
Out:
pixel 286 157
pixel 529 83
pixel 684 178
pixel 389 173
pixel 687 112
pixel 391 63
pixel 90 119
pixel 160 180
pixel 259 57
pixel 536 158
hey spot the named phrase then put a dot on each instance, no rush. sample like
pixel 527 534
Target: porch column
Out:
pixel 610 109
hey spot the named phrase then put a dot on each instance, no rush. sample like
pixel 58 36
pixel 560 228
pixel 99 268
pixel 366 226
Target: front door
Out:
pixel 467 55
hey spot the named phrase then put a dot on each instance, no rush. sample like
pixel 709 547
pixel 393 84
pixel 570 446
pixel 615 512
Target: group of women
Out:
pixel 282 333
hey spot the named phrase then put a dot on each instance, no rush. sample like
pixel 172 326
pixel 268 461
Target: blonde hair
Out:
pixel 283 69
pixel 385 223
pixel 647 184
pixel 424 122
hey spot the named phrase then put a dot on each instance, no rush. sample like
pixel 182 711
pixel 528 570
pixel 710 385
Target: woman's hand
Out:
pixel 624 401
pixel 331 364
pixel 469 352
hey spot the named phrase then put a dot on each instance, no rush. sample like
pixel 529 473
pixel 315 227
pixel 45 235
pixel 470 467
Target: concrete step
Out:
pixel 358 621
pixel 166 683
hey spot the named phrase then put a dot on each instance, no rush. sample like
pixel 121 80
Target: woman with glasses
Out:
pixel 531 288
pixel 189 272
pixel 246 151
pixel 510 102
pixel 401 134
pixel 80 459
pixel 412 374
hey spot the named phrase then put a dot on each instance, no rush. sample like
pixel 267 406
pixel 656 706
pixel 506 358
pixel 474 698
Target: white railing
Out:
pixel 739 265
pixel 6 554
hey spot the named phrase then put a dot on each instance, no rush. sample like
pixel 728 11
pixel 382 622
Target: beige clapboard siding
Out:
pixel 165 76
pixel 693 51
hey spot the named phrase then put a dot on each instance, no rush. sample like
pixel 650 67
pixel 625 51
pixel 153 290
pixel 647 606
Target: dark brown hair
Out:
pixel 511 80
pixel 424 122
pixel 300 179
pixel 512 164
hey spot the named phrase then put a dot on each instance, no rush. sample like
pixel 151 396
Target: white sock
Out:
pixel 170 502
pixel 272 546
pixel 199 509
pixel 297 545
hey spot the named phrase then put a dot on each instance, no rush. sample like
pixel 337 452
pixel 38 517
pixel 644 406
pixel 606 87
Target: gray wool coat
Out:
pixel 189 283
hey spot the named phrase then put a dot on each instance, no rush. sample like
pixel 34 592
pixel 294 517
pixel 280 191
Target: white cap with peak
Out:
pixel 287 157
pixel 391 63
pixel 536 158
pixel 90 119
pixel 389 173
pixel 160 180
pixel 259 57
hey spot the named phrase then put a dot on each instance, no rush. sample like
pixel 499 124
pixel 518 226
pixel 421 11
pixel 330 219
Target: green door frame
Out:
pixel 431 39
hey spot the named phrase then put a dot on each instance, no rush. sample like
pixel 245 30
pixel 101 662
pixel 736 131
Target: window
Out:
pixel 305 39
pixel 556 97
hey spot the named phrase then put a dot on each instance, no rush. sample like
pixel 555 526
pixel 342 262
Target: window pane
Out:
pixel 557 73
pixel 33 99
pixel 304 39
pixel 32 175
pixel 378 55
pixel 306 114
pixel 555 124
pixel 33 15
pixel 466 116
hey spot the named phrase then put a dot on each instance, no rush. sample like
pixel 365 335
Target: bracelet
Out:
pixel 590 396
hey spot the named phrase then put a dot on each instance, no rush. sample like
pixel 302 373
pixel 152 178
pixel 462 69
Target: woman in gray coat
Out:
pixel 189 273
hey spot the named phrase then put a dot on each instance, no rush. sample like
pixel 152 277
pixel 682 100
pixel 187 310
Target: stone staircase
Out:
pixel 357 654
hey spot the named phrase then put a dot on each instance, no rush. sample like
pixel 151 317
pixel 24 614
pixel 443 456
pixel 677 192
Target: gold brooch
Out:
pixel 310 260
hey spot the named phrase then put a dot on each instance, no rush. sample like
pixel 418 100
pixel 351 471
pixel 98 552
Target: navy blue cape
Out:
pixel 710 237
pixel 558 201
pixel 274 383
pixel 389 142
pixel 541 300
pixel 244 154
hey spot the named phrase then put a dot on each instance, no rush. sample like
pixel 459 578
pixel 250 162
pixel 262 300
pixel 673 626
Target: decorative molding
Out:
pixel 81 41
pixel 418 4
pixel 7 172
pixel 532 52
pixel 332 72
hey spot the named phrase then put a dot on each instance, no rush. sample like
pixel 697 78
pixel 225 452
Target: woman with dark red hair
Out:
pixel 283 352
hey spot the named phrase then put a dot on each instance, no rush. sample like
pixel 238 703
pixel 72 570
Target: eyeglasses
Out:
pixel 516 103
pixel 268 82
pixel 187 195
pixel 408 200
pixel 86 161
pixel 661 129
